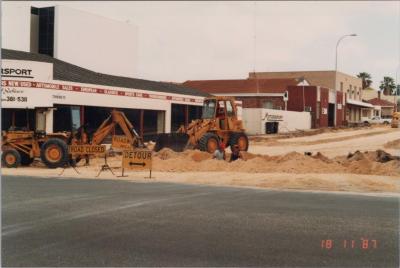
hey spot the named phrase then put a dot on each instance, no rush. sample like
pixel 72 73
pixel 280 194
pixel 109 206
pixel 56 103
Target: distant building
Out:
pixel 371 93
pixel 349 85
pixel 382 108
pixel 254 93
pixel 293 94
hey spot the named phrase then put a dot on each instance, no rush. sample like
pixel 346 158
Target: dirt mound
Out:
pixel 322 157
pixel 378 162
pixel 393 144
pixel 199 156
pixel 166 153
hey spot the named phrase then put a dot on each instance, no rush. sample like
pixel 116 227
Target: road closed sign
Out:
pixel 87 149
pixel 140 159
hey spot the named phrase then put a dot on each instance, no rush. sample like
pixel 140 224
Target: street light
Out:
pixel 337 45
pixel 336 56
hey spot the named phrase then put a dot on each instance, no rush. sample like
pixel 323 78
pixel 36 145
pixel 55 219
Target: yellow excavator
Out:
pixel 21 147
pixel 219 124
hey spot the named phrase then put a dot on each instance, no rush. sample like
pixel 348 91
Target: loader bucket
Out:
pixel 175 141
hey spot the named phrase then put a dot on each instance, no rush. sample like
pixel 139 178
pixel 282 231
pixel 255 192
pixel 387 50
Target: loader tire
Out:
pixel 209 143
pixel 54 153
pixel 240 139
pixel 11 158
pixel 26 160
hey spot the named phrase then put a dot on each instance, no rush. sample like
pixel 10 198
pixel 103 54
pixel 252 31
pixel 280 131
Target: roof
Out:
pixel 243 85
pixel 359 103
pixel 380 102
pixel 65 71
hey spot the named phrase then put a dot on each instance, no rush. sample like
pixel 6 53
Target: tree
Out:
pixel 388 86
pixel 366 79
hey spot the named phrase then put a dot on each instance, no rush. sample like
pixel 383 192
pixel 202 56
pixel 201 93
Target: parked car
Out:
pixel 377 120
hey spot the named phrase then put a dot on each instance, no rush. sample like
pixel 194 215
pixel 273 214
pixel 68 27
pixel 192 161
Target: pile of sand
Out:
pixel 393 144
pixel 360 163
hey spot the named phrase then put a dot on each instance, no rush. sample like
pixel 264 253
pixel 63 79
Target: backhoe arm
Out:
pixel 108 126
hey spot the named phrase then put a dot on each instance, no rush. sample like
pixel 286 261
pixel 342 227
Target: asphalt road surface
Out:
pixel 74 222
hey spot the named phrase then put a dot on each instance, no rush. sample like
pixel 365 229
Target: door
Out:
pixel 331 115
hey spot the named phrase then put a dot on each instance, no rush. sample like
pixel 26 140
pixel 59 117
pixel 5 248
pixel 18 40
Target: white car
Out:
pixel 377 120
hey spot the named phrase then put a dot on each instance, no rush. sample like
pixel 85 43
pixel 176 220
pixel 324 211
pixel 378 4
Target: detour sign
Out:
pixel 87 149
pixel 139 159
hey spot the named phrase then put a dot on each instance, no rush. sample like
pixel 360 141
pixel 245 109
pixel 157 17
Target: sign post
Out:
pixel 84 149
pixel 138 159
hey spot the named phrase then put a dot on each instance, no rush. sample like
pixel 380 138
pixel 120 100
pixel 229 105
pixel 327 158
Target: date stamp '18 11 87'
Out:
pixel 362 243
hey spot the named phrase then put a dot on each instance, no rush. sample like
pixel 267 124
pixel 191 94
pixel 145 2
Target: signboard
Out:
pixel 86 149
pixel 19 94
pixel 324 111
pixel 26 70
pixel 286 96
pixel 121 142
pixel 273 117
pixel 139 159
pixel 339 106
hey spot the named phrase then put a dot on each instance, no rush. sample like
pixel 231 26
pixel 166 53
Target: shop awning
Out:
pixel 360 103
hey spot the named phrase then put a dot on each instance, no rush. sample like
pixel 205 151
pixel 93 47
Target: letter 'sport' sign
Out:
pixel 16 72
pixel 27 70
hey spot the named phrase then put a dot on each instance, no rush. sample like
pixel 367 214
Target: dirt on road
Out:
pixel 341 161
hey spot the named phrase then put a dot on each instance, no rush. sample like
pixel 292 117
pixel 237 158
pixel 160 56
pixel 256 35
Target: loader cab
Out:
pixel 221 109
pixel 209 108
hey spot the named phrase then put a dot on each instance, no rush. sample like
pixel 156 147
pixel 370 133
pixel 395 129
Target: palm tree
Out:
pixel 366 79
pixel 387 85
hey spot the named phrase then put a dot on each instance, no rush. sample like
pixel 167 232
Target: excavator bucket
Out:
pixel 174 141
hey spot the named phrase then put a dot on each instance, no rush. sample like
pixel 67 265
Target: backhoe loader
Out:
pixel 21 147
pixel 219 124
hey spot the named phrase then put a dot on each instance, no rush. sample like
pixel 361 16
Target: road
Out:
pixel 77 222
pixel 333 144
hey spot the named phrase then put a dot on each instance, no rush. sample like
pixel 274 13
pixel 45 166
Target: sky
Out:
pixel 179 41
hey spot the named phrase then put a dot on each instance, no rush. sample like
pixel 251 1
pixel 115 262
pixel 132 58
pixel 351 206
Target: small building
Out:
pixel 47 94
pixel 371 93
pixel 382 108
pixel 324 105
pixel 260 121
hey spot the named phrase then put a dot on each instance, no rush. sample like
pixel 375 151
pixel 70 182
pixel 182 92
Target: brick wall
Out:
pixel 324 103
pixel 339 112
pixel 295 102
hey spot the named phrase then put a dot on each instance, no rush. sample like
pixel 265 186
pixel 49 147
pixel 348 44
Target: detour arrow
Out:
pixel 137 164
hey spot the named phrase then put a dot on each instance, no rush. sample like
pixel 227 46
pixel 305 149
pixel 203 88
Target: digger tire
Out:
pixel 11 158
pixel 209 142
pixel 240 139
pixel 54 153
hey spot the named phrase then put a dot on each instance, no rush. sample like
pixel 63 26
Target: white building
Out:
pixel 47 94
pixel 81 38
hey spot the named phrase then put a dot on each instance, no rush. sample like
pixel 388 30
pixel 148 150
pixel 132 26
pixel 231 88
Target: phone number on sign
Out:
pixel 20 99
